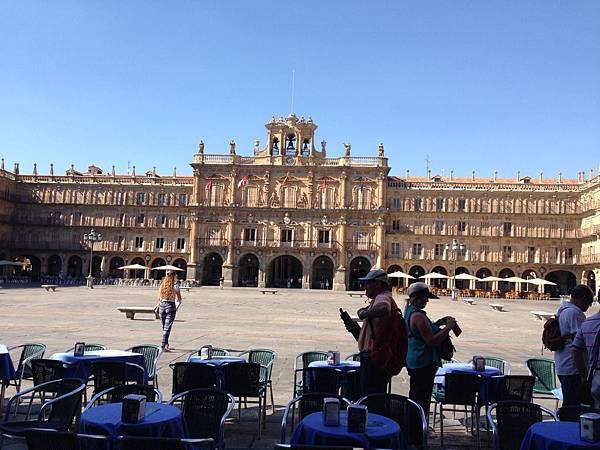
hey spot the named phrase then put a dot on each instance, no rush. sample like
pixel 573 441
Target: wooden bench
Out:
pixel 50 287
pixel 131 311
pixel 497 307
pixel 468 301
pixel 356 294
pixel 541 315
pixel 185 288
pixel 268 291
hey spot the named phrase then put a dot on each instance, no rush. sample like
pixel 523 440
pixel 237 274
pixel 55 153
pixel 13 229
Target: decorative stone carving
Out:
pixel 348 148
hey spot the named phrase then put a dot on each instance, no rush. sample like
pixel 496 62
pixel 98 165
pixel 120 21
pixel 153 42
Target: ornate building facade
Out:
pixel 290 216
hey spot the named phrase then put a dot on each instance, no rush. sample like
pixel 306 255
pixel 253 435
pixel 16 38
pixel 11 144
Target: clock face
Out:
pixel 289 160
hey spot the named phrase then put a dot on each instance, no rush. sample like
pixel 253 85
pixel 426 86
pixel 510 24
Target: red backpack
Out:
pixel 388 352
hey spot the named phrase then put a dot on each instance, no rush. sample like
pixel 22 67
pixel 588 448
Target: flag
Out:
pixel 286 179
pixel 243 181
pixel 324 184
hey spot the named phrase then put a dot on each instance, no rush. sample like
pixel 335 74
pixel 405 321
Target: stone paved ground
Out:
pixel 289 322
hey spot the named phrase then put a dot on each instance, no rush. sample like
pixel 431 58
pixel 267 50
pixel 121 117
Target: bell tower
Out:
pixel 291 137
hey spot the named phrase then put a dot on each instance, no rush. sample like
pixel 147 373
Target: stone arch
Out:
pixel 285 271
pixel 248 273
pixel 484 272
pixel 140 273
pixel 54 265
pixel 75 267
pixel 461 284
pixel 113 267
pixel 32 267
pixel 322 273
pixel 565 282
pixel 504 286
pixel 181 263
pixel 396 282
pixel 529 273
pixel 439 282
pixel 96 266
pixel 359 267
pixel 212 269
pixel 416 271
pixel 591 280
pixel 157 274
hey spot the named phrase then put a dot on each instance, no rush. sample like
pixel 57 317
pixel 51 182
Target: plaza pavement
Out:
pixel 290 322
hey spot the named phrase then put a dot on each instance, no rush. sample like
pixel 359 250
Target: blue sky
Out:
pixel 476 85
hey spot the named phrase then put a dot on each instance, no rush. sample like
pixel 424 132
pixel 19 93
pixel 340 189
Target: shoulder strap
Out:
pixel 594 362
pixel 410 329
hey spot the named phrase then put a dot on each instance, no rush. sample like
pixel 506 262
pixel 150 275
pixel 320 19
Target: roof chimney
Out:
pixel 560 177
pixel 541 176
pixel 495 175
pixel 51 169
pixel 473 175
pixel 518 176
pixel 35 168
pixel 451 175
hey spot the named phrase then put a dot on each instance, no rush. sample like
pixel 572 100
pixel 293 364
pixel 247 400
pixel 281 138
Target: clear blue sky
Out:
pixel 484 85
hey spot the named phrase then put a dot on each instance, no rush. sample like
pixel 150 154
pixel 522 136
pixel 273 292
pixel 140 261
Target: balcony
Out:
pixel 212 242
pixel 365 246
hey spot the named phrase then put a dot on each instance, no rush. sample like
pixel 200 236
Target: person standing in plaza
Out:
pixel 169 297
pixel 570 317
pixel 424 336
pixel 586 352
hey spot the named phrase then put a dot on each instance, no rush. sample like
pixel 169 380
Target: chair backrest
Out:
pixel 205 411
pixel 353 357
pixel 151 353
pixel 93 347
pixel 404 411
pixel 108 374
pixel 242 379
pixel 461 388
pixel 44 370
pixel 544 371
pixel 498 363
pixel 116 394
pixel 513 419
pixel 518 388
pixel 29 352
pixel 321 379
pixel 307 357
pixel 572 413
pixel 264 357
pixel 45 439
pixel 187 376
pixel 65 406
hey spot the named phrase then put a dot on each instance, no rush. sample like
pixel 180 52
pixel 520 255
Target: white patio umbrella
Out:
pixel 167 267
pixel 466 276
pixel 540 282
pixel 490 279
pixel 399 274
pixel 5 262
pixel 515 280
pixel 133 267
pixel 434 275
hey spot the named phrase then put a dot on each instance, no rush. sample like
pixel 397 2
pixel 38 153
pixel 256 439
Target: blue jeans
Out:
pixel 571 389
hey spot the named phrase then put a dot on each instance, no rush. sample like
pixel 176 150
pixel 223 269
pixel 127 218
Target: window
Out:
pixel 461 204
pixel 507 229
pixel 439 249
pixel 439 226
pixel 396 203
pixel 418 204
pixel 507 252
pixel 183 199
pixel 395 225
pixel 484 250
pixel 122 219
pixel 324 236
pixel 286 235
pixel 216 194
pixel 530 254
pixel 214 236
pixel 417 250
pixel 251 196
pixel 180 243
pixel 140 218
pixel 140 198
pixel 362 239
pixel 181 220
pixel 160 242
pixel 289 197
pixel 161 199
pixel 249 234
pixel 396 248
pixel 161 220
pixel 439 204
pixel 139 242
pixel 569 253
pixel 462 227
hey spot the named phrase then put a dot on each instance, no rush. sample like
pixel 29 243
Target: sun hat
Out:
pixel 419 289
pixel 376 274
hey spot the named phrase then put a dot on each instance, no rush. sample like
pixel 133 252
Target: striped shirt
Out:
pixel 586 336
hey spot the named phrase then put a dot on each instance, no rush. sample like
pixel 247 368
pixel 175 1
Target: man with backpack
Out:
pixel 586 353
pixel 570 317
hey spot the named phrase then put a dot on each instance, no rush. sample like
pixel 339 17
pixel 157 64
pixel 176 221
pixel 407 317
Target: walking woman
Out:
pixel 424 336
pixel 168 295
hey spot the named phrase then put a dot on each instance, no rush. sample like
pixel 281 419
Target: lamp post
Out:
pixel 455 247
pixel 90 238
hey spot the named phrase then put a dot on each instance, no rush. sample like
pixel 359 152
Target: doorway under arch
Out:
pixel 248 272
pixel 416 272
pixel 285 271
pixel 212 269
pixel 113 267
pixel 461 284
pixel 32 267
pixel 322 273
pixel 440 283
pixel 396 282
pixel 565 282
pixel 54 265
pixel 359 267
pixel 484 272
pixel 157 274
pixel 139 273
pixel 591 280
pixel 181 263
pixel 75 267
pixel 504 286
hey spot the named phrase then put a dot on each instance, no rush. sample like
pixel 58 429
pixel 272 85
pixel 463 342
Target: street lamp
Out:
pixel 90 238
pixel 455 247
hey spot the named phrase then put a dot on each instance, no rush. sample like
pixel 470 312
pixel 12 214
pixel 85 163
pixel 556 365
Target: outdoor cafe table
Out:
pixel 217 361
pixel 486 374
pixel 160 420
pixel 344 366
pixel 7 371
pixel 381 432
pixel 555 436
pixel 81 366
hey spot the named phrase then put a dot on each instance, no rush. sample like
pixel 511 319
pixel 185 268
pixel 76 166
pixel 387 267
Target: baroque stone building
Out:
pixel 289 216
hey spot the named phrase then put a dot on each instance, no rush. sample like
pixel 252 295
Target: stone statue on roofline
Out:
pixel 348 148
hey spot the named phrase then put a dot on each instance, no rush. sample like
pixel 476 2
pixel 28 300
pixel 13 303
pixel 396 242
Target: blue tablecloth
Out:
pixel 381 432
pixel 350 386
pixel 161 420
pixel 7 369
pixel 468 368
pixel 81 366
pixel 344 366
pixel 216 360
pixel 555 436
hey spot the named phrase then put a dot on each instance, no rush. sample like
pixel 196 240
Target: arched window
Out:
pixel 275 147
pixel 251 196
pixel 290 145
pixel 305 147
pixel 289 197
